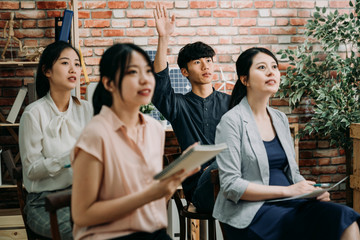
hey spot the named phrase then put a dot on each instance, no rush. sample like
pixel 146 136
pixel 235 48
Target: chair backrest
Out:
pixel 215 181
pixel 9 163
pixel 53 202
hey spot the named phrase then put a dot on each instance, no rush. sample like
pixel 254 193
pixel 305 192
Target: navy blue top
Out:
pixel 193 118
pixel 277 162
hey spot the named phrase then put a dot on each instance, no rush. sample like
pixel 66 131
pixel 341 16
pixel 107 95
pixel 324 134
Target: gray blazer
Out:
pixel 246 161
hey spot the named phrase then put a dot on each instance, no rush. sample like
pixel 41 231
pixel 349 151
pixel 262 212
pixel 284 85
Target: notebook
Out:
pixel 191 159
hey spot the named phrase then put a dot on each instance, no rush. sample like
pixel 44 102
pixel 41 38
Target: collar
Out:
pixel 193 95
pixel 115 121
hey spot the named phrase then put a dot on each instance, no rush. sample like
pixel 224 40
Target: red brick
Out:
pixel 202 22
pixel 138 23
pixel 282 21
pixel 284 13
pixel 98 42
pixel 166 4
pixel 139 14
pixel 298 39
pixel 25 72
pixel 338 4
pixel 205 31
pixel 323 144
pixel 113 32
pixel 307 162
pixel 96 32
pixel 30 33
pixel 205 13
pixel 325 179
pixel 338 160
pixel 51 5
pixel 27 4
pixel 304 13
pixel 244 22
pixel 29 23
pixel 51 14
pixel 9 5
pixel 326 153
pixel 139 32
pixel 298 21
pixel 96 23
pixel 248 13
pixel 99 52
pixel 246 40
pixel 46 23
pixel 94 4
pixel 118 4
pixel 259 31
pixel 30 14
pixel 243 4
pixel 84 14
pixel 224 22
pixel 92 61
pixel 224 13
pixel 301 4
pixel 50 33
pixel 281 4
pixel 305 154
pixel 137 4
pixel 101 14
pixel 203 4
pixel 324 161
pixel 264 4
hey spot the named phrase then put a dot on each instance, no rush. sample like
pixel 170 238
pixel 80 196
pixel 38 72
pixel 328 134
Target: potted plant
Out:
pixel 328 79
pixel 163 120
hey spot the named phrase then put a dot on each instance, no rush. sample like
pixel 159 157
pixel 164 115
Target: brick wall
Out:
pixel 229 26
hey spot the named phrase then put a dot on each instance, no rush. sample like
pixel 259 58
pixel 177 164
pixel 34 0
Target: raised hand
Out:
pixel 164 24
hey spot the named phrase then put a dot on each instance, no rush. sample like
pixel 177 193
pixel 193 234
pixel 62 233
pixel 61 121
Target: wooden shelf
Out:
pixel 18 64
pixel 9 124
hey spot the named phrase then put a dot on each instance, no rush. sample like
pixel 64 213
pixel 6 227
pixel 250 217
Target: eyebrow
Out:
pixel 66 58
pixel 265 63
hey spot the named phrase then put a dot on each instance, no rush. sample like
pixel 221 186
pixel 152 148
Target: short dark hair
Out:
pixel 49 56
pixel 194 51
pixel 243 65
pixel 116 58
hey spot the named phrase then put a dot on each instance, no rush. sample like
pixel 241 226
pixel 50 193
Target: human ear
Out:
pixel 243 80
pixel 108 85
pixel 184 72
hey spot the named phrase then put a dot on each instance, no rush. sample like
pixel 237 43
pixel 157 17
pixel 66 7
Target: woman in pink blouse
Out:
pixel 114 195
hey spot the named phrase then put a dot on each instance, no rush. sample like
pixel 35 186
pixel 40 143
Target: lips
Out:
pixel 207 75
pixel 271 82
pixel 145 92
pixel 72 79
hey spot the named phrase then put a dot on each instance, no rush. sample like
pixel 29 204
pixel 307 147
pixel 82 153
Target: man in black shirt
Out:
pixel 195 115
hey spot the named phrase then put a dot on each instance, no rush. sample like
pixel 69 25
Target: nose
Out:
pixel 270 71
pixel 146 77
pixel 72 68
pixel 204 64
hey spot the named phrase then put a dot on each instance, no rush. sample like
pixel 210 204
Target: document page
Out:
pixel 313 194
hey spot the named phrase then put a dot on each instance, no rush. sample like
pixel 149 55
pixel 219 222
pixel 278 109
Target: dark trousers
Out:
pixel 203 196
pixel 158 235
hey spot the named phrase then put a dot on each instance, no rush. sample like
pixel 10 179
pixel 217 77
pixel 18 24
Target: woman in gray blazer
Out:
pixel 259 165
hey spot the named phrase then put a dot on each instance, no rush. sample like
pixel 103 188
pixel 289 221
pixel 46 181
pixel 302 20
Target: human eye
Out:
pixel 77 64
pixel 64 63
pixel 275 66
pixel 261 67
pixel 208 60
pixel 131 71
pixel 196 62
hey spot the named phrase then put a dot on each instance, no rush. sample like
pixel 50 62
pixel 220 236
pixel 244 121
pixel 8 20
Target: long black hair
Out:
pixel 114 59
pixel 243 65
pixel 49 56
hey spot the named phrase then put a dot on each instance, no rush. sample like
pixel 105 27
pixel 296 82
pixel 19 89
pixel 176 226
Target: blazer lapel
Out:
pixel 255 140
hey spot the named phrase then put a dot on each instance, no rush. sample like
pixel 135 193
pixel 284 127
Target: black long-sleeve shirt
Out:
pixel 193 118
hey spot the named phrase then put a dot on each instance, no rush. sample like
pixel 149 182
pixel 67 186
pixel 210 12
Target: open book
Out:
pixel 312 194
pixel 191 159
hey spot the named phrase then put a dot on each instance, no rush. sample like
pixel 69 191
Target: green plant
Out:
pixel 327 75
pixel 147 108
pixel 161 117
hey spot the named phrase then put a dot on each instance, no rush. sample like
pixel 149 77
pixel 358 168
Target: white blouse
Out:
pixel 46 137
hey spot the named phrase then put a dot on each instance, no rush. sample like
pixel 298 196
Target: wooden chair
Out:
pixel 188 212
pixel 216 182
pixel 53 202
pixel 16 175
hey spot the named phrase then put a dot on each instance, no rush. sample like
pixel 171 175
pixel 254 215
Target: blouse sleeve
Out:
pixel 35 165
pixel 229 160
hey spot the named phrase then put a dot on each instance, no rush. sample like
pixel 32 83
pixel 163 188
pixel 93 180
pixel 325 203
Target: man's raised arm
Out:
pixel 164 27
